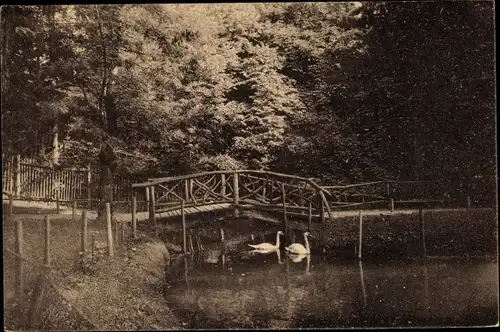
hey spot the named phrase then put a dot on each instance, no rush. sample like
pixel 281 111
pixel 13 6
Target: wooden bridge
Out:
pixel 290 194
pixel 240 189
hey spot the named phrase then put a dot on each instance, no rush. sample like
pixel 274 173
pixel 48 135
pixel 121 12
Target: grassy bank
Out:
pixel 447 233
pixel 119 293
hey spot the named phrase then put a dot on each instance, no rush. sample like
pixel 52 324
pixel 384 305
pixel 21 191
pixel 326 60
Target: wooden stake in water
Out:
pixel 422 231
pixel 360 244
pixel 109 230
pixel 309 217
pixel 285 220
pixel 47 241
pixel 468 202
pixel 191 247
pixel 391 204
pixel 184 240
pixel 363 288
pixel 83 246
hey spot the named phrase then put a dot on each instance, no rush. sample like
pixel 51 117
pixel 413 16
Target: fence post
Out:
pixel 11 204
pixel 19 251
pixel 109 229
pixel 57 200
pixel 17 176
pixel 84 231
pixel 236 194
pixel 147 199
pixel 122 232
pixel 89 189
pixel 115 232
pixel 74 211
pixel 134 212
pixel 152 216
pixel 47 241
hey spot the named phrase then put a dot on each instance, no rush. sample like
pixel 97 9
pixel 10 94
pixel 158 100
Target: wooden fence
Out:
pixel 24 179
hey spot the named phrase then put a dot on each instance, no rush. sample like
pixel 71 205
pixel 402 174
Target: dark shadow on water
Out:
pixel 255 291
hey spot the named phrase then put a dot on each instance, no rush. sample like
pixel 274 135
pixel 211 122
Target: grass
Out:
pixel 123 292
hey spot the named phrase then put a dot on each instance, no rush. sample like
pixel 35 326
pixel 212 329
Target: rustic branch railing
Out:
pixel 369 194
pixel 238 188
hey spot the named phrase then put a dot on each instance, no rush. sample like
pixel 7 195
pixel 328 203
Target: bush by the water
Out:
pixel 447 233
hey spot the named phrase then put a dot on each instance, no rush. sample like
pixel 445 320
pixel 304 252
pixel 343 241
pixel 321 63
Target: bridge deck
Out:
pixel 143 216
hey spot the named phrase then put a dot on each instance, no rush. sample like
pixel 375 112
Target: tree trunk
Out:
pixel 104 82
pixel 55 144
pixel 7 29
pixel 50 12
pixel 107 159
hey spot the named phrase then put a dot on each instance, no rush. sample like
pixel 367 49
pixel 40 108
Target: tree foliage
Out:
pixel 339 91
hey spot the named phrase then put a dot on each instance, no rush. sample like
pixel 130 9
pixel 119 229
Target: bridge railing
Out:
pixel 268 190
pixel 387 193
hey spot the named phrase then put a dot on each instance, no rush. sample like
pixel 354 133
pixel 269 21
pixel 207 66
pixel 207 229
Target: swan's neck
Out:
pixel 277 240
pixel 308 249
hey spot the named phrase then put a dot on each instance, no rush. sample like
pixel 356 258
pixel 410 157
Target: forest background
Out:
pixel 343 92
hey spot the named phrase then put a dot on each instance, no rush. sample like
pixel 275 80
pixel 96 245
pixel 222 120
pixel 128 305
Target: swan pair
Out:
pixel 295 248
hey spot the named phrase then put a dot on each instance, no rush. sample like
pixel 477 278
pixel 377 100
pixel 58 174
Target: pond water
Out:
pixel 239 290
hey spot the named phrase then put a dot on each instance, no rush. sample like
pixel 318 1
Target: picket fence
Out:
pixel 25 179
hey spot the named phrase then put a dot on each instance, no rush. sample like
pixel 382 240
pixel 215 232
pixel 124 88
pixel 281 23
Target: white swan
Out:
pixel 268 246
pixel 297 258
pixel 297 248
pixel 264 252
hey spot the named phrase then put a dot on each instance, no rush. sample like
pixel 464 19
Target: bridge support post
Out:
pixel 322 212
pixel 285 220
pixel 184 240
pixel 309 217
pixel 236 195
pixel 223 185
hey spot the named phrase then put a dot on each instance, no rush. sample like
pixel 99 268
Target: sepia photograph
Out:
pixel 260 165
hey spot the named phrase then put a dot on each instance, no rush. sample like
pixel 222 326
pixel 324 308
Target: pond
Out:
pixel 275 291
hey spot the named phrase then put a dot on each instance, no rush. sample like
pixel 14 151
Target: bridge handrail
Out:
pixel 353 185
pixel 154 181
pixel 320 190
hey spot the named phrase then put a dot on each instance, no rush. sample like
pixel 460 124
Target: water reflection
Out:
pixel 306 291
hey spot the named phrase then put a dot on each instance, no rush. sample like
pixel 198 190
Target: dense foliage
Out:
pixel 339 91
